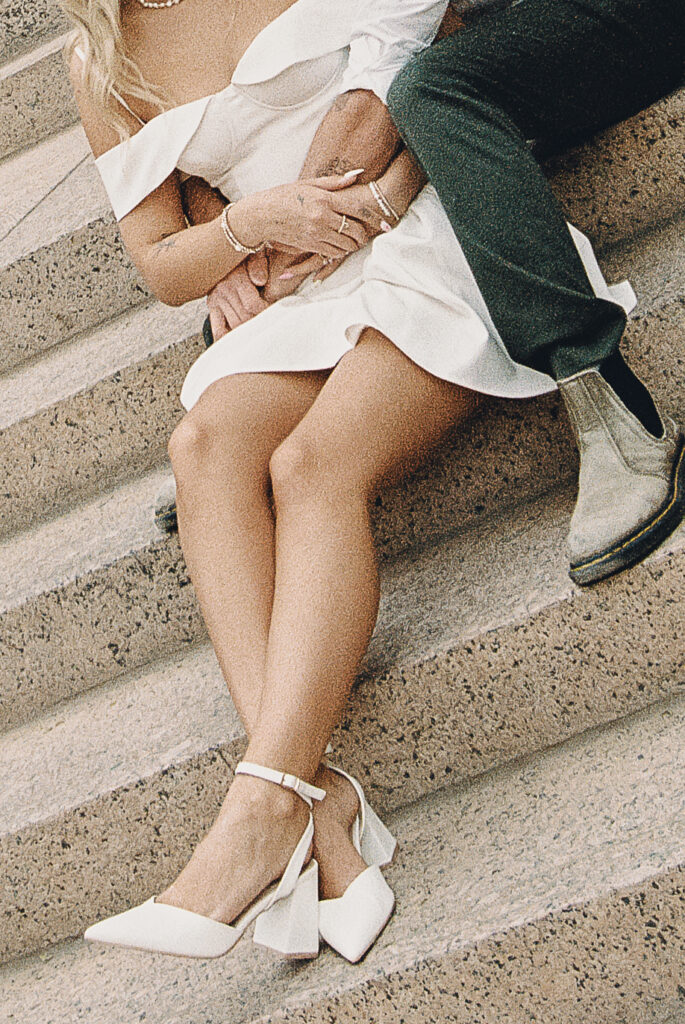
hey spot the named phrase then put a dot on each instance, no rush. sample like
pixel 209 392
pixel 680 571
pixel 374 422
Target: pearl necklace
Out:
pixel 167 3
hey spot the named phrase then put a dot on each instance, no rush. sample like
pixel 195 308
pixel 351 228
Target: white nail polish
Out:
pixel 351 174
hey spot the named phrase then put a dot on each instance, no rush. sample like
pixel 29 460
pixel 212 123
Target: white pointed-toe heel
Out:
pixel 286 912
pixel 351 923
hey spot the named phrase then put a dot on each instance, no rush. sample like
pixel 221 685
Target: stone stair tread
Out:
pixel 82 362
pixel 78 200
pixel 31 57
pixel 653 260
pixel 462 587
pixel 28 179
pixel 26 23
pixel 87 537
pixel 36 99
pixel 594 823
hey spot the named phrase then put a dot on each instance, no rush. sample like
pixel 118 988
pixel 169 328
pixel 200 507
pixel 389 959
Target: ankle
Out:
pixel 257 798
pixel 632 393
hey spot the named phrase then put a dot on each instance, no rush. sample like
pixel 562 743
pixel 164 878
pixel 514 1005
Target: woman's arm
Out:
pixel 155 232
pixel 180 263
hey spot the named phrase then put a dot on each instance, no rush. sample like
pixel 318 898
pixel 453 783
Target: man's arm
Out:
pixel 356 132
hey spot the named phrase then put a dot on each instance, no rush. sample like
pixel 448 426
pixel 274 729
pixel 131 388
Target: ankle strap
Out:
pixel 303 789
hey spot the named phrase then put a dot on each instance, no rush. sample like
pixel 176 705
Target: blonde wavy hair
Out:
pixel 106 67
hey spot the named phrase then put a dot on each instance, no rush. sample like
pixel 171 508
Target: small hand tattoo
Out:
pixel 300 199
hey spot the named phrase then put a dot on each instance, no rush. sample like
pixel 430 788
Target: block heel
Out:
pixel 377 844
pixel 286 913
pixel 291 926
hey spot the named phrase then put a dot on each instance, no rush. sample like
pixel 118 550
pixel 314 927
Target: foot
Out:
pixel 339 862
pixel 247 848
pixel 166 516
pixel 631 489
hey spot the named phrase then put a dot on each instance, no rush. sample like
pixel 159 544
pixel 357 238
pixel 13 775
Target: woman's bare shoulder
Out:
pixel 101 135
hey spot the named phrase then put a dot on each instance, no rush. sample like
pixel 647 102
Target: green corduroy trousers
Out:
pixel 552 70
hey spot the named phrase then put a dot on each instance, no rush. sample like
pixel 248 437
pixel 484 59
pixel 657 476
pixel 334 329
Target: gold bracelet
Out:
pixel 382 201
pixel 230 237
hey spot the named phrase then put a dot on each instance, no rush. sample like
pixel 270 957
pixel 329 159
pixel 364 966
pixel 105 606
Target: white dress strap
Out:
pixel 139 164
pixel 117 96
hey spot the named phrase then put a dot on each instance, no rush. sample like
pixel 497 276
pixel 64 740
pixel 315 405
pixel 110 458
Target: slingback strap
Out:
pixel 303 789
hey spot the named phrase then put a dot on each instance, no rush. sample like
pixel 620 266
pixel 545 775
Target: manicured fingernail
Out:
pixel 385 226
pixel 351 174
pixel 286 276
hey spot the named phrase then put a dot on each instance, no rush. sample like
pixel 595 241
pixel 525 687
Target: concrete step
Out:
pixel 36 99
pixel 548 891
pixel 484 651
pixel 627 178
pixel 83 592
pixel 63 268
pixel 27 24
pixel 96 410
pixel 47 262
pixel 29 181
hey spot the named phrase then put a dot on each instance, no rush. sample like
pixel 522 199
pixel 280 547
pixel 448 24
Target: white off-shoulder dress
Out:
pixel 413 284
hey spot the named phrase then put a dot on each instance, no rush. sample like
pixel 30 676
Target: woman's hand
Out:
pixel 399 186
pixel 237 297
pixel 315 216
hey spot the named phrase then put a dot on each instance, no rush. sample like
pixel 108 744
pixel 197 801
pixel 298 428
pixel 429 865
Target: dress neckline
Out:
pixel 211 95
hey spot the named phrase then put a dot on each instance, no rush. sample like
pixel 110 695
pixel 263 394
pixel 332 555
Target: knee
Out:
pixel 191 443
pixel 431 84
pixel 293 469
pixel 303 471
pixel 209 439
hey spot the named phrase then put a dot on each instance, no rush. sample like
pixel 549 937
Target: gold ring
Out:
pixel 343 224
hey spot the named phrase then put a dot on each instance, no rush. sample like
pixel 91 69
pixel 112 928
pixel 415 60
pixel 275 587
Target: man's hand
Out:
pixel 237 297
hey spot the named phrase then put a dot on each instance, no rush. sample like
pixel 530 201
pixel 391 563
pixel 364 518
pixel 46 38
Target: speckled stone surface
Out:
pixel 28 181
pixel 36 99
pixel 81 441
pixel 628 178
pixel 24 24
pixel 63 269
pixel 468 669
pixel 551 891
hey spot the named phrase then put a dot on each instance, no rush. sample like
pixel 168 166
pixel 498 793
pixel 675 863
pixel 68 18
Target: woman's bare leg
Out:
pixel 220 453
pixel 376 417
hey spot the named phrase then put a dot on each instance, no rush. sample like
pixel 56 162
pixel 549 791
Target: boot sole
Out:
pixel 640 544
pixel 166 519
